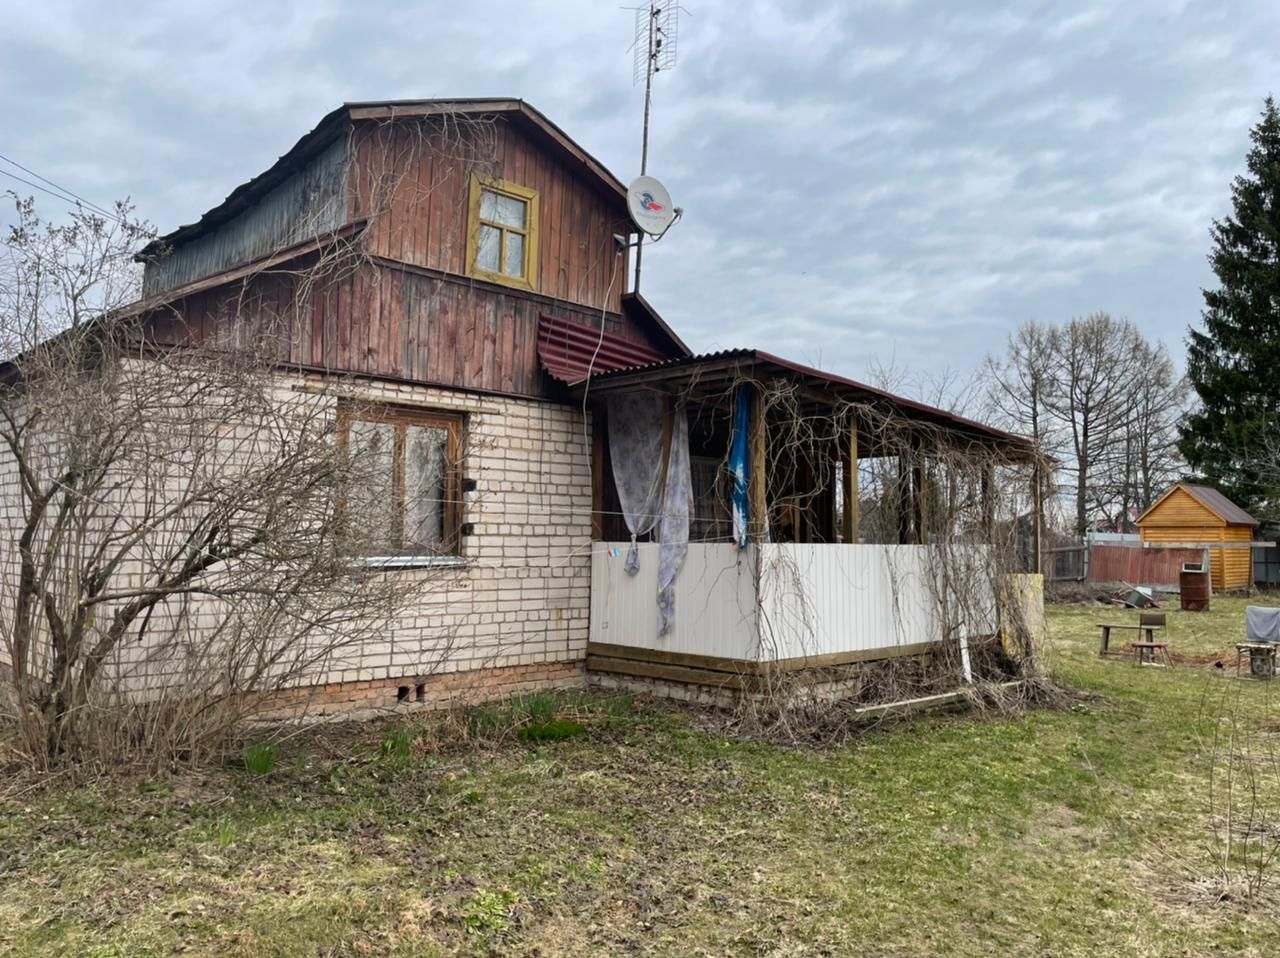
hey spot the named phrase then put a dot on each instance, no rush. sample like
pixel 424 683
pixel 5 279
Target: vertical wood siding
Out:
pixel 412 184
pixel 311 201
pixel 384 321
pixel 1138 566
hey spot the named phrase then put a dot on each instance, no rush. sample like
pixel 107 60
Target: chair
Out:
pixel 1148 652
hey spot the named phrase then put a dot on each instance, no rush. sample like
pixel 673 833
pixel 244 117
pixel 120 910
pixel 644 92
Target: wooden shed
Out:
pixel 1200 515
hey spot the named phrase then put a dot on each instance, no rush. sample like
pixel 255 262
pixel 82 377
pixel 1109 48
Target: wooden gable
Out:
pixel 413 180
pixel 1179 508
pixel 393 219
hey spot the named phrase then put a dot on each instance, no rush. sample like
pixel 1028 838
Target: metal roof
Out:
pixel 570 352
pixel 679 367
pixel 1211 499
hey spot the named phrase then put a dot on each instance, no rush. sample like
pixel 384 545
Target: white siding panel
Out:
pixel 824 599
pixel 715 611
pixel 813 599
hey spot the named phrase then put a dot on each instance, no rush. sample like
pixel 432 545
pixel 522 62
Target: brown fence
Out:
pixel 1139 566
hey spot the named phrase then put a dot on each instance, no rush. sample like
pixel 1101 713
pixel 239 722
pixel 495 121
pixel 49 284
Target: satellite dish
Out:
pixel 650 205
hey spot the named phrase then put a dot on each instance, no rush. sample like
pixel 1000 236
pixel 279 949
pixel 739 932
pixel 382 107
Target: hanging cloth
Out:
pixel 635 448
pixel 739 464
pixel 677 504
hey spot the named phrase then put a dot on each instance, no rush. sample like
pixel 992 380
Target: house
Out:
pixel 1198 516
pixel 481 305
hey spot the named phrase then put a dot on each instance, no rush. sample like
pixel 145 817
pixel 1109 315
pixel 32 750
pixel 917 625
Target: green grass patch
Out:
pixel 1074 832
pixel 556 730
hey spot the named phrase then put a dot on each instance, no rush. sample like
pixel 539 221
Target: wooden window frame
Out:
pixel 529 197
pixel 401 417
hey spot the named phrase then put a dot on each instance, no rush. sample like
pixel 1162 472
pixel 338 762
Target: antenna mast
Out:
pixel 657 27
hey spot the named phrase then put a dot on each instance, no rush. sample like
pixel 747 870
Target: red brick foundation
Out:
pixel 441 690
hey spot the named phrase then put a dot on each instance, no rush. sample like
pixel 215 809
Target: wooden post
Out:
pixel 988 495
pixel 597 473
pixel 904 499
pixel 757 496
pixel 918 495
pixel 1037 517
pixel 851 504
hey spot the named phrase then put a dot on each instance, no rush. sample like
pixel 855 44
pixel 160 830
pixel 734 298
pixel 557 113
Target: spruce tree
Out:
pixel 1233 439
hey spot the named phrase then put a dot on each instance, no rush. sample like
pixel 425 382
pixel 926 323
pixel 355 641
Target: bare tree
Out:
pixel 1021 381
pixel 1132 470
pixel 180 539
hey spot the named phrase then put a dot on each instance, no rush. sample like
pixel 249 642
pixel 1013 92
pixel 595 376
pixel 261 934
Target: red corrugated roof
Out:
pixel 908 407
pixel 571 352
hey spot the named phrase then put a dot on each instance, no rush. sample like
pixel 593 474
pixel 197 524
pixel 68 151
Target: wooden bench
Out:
pixel 1148 624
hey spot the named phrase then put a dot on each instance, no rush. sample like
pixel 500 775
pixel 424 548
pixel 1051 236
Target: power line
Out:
pixel 44 179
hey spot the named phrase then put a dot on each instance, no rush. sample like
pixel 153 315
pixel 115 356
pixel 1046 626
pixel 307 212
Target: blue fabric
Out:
pixel 739 464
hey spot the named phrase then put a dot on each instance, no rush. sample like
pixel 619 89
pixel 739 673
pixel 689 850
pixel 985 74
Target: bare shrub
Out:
pixel 1242 801
pixel 182 538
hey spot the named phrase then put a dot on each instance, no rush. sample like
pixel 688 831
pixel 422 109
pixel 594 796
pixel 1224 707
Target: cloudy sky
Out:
pixel 889 182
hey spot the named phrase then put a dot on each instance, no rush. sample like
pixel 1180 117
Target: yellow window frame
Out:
pixel 529 279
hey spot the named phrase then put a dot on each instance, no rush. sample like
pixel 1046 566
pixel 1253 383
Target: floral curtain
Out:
pixel 635 447
pixel 677 502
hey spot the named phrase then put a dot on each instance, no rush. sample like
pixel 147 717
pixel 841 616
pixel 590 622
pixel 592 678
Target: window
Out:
pixel 502 244
pixel 411 493
pixel 711 521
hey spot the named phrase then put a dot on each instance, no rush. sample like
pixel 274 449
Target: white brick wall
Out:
pixel 519 596
pixel 522 595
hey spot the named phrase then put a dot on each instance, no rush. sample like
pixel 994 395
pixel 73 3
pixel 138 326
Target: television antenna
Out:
pixel 656 37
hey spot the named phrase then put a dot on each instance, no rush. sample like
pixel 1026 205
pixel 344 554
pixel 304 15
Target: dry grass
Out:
pixel 1077 831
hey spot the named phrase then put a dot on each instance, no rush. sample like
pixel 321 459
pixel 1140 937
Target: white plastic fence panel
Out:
pixel 715 612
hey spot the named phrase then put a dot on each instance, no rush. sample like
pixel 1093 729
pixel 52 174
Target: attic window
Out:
pixel 502 242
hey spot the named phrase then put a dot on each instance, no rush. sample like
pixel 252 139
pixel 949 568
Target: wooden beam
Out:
pixel 714 663
pixel 919 493
pixel 1190 545
pixel 597 474
pixel 1037 516
pixel 757 494
pixel 988 495
pixel 851 505
pixel 904 500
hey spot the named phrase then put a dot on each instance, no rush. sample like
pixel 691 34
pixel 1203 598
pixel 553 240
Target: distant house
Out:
pixel 1200 515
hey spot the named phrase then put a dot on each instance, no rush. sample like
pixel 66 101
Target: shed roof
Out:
pixel 712 371
pixel 1211 499
pixel 335 124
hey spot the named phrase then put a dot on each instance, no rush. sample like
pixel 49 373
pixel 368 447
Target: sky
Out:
pixel 865 184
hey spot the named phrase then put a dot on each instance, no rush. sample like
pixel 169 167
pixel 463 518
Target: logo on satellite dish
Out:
pixel 650 205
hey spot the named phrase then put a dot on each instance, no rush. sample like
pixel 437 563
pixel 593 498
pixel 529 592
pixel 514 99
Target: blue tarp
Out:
pixel 739 465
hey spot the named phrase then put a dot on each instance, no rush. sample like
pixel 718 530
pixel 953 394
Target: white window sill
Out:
pixel 413 562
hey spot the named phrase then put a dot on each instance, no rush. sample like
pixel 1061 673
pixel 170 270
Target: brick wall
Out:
pixel 521 595
pixel 511 614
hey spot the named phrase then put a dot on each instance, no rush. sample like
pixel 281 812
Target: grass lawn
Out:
pixel 1080 831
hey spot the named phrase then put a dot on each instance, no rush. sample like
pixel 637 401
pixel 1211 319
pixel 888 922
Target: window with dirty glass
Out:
pixel 411 492
pixel 503 233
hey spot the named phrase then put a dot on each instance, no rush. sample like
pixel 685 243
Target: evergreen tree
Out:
pixel 1234 363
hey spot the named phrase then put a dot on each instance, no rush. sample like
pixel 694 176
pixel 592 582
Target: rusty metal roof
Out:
pixel 571 352
pixel 681 366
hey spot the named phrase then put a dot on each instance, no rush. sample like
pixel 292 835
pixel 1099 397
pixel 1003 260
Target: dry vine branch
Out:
pixel 185 547
pixel 971 522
